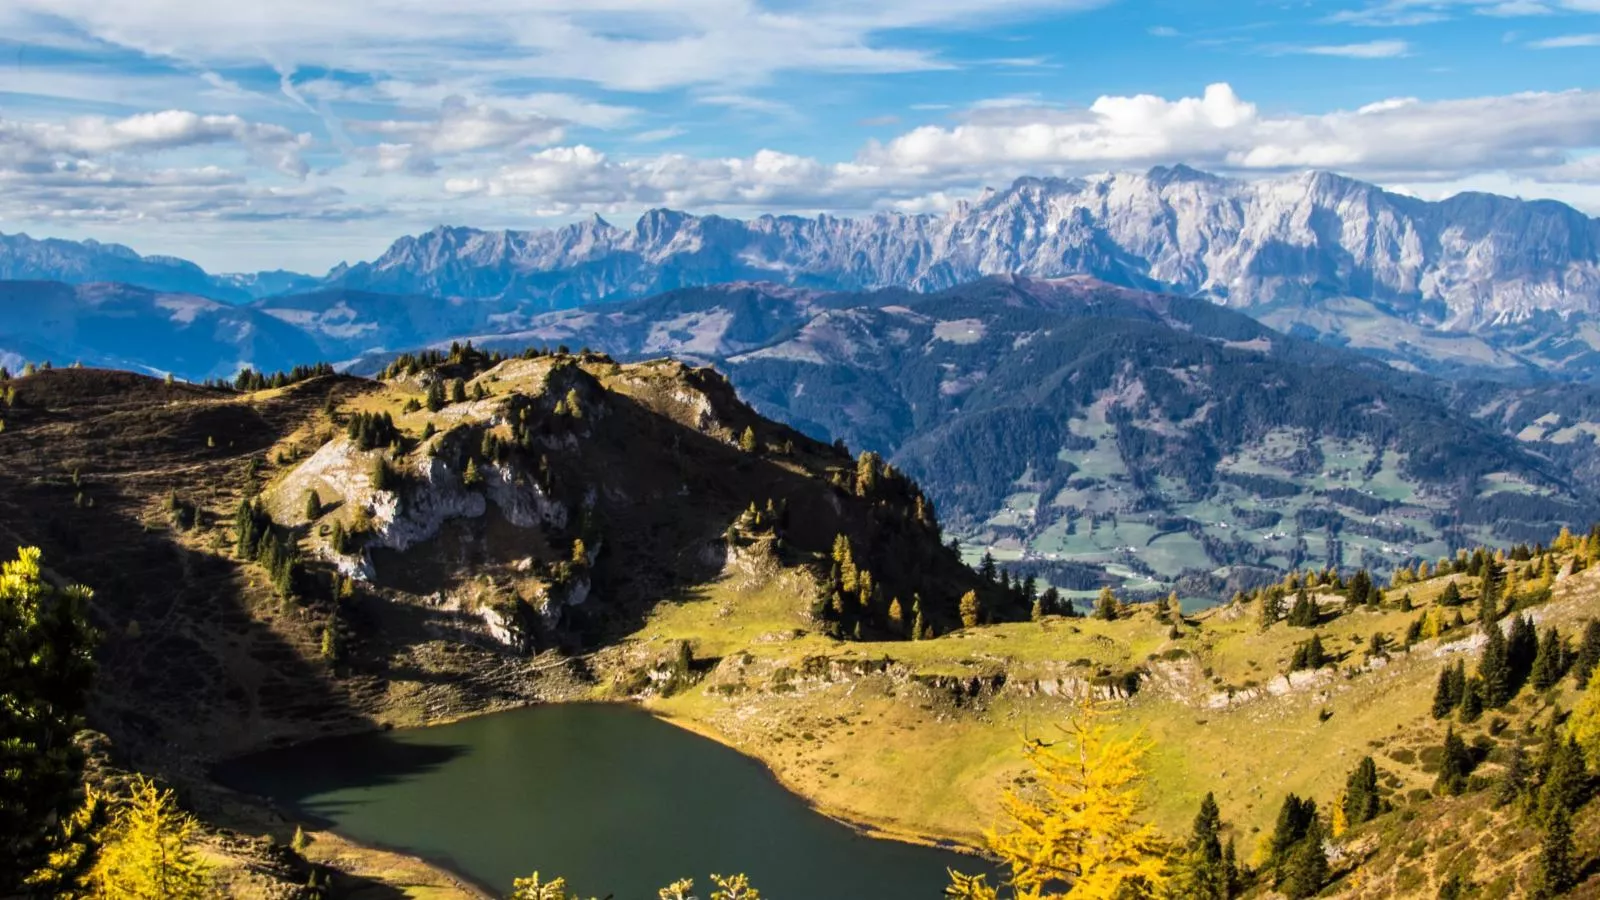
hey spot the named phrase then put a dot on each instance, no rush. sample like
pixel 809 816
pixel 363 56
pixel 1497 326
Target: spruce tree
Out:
pixel 986 567
pixel 1307 870
pixel 1493 670
pixel 1588 655
pixel 1361 800
pixel 1548 661
pixel 1203 871
pixel 1558 872
pixel 1455 764
pixel 1271 608
pixel 1515 780
pixel 1472 702
pixel 1522 647
pixel 1304 613
pixel 1105 605
pixel 434 399
pixel 1566 783
pixel 1451 595
pixel 313 506
pixel 1444 695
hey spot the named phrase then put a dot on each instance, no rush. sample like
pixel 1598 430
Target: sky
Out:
pixel 261 134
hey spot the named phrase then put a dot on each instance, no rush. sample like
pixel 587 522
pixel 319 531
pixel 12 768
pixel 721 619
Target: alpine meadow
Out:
pixel 800 450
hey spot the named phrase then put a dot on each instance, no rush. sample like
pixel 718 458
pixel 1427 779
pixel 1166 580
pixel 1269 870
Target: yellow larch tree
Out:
pixel 149 853
pixel 1076 832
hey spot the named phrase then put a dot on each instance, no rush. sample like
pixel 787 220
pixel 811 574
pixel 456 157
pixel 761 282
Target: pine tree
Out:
pixel 1203 871
pixel 986 567
pixel 458 391
pixel 1588 656
pixel 1307 870
pixel 1361 800
pixel 1515 780
pixel 1105 605
pixel 1451 595
pixel 1566 783
pixel 1488 604
pixel 1295 818
pixel 313 506
pixel 970 610
pixel 1522 647
pixel 1493 670
pixel 1050 602
pixel 434 398
pixel 149 852
pixel 1445 698
pixel 1547 663
pixel 1557 868
pixel 1304 613
pixel 46 667
pixel 1454 765
pixel 1271 609
pixel 1472 702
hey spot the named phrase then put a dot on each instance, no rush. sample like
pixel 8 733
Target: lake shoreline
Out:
pixel 866 827
pixel 471 888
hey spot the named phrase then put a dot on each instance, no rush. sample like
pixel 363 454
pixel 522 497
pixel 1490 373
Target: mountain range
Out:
pixel 1475 284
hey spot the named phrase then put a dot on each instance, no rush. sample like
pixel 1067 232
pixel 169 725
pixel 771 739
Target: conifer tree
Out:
pixel 1588 655
pixel 1445 698
pixel 1079 832
pixel 1493 670
pixel 1472 702
pixel 434 398
pixel 458 391
pixel 1105 605
pixel 1451 595
pixel 1566 783
pixel 1304 613
pixel 1203 870
pixel 1050 600
pixel 1547 663
pixel 1271 608
pixel 470 476
pixel 986 567
pixel 1522 646
pixel 747 440
pixel 897 617
pixel 1361 800
pixel 971 610
pixel 1515 780
pixel 1557 869
pixel 313 506
pixel 1307 870
pixel 149 852
pixel 1584 726
pixel 45 671
pixel 1295 818
pixel 1454 765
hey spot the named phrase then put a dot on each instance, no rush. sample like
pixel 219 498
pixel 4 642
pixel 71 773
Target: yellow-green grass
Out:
pixel 914 762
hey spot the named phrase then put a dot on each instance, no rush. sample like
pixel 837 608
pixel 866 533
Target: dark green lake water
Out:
pixel 607 796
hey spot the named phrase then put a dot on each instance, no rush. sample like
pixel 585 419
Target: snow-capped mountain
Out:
pixel 1471 261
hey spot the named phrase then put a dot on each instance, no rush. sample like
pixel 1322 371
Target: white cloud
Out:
pixel 1401 13
pixel 637 45
pixel 1532 135
pixel 1567 41
pixel 457 127
pixel 1367 50
pixel 93 136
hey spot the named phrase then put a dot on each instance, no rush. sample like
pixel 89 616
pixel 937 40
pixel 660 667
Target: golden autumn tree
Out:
pixel 728 887
pixel 148 852
pixel 1076 831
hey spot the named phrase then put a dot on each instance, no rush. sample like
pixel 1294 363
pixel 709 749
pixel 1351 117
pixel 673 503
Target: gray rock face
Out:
pixel 1471 261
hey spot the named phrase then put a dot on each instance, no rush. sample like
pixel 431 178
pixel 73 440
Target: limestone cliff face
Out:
pixel 1474 260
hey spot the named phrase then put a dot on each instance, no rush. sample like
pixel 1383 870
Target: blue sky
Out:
pixel 298 133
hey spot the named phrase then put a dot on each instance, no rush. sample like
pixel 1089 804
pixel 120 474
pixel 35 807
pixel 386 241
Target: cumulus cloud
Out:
pixel 91 136
pixel 1535 135
pixel 458 127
